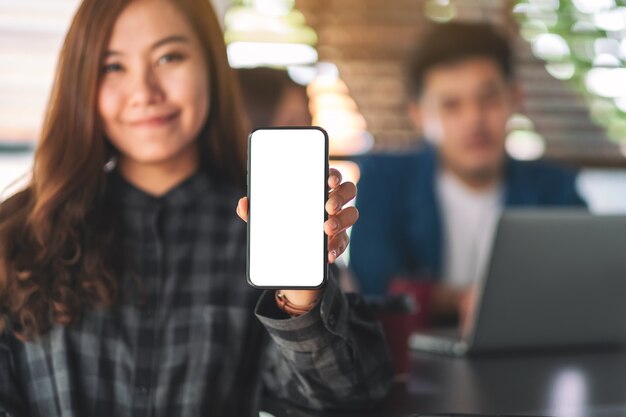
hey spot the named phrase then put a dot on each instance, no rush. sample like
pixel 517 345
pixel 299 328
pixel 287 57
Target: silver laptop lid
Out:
pixel 556 278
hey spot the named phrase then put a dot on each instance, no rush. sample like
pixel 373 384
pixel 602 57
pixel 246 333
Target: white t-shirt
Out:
pixel 469 219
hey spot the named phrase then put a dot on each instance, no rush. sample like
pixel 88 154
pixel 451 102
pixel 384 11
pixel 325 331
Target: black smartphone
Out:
pixel 287 193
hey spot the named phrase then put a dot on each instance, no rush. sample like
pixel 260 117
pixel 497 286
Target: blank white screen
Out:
pixel 287 195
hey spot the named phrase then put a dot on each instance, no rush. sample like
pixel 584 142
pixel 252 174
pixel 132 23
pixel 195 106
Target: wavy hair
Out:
pixel 59 251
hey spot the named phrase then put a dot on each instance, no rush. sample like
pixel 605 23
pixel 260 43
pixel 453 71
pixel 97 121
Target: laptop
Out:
pixel 556 278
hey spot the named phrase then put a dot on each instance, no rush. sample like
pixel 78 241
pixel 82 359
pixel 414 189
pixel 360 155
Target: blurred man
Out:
pixel 429 217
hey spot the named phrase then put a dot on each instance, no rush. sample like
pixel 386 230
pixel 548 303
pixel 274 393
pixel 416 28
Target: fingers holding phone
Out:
pixel 339 218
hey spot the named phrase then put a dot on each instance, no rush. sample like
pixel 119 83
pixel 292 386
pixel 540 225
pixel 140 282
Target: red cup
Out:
pixel 398 326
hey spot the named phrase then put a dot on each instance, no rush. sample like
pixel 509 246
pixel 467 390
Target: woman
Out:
pixel 122 286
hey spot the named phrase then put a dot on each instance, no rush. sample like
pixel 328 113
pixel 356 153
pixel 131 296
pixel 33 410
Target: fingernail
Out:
pixel 334 253
pixel 335 180
pixel 333 224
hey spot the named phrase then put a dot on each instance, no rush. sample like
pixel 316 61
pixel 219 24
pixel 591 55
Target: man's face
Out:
pixel 464 109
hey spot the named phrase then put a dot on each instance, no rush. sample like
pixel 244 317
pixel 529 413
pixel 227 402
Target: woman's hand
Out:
pixel 339 220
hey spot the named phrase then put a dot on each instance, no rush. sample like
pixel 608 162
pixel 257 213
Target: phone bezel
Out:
pixel 326 189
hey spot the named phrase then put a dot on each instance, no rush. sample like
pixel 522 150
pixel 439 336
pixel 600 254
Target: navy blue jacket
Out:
pixel 399 232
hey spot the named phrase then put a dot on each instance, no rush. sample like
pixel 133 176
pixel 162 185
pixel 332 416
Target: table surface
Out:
pixel 582 383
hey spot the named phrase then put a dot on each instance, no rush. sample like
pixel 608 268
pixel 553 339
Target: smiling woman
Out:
pixel 89 113
pixel 153 97
pixel 122 262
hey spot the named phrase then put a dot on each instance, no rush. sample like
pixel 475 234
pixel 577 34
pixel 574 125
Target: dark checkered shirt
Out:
pixel 193 346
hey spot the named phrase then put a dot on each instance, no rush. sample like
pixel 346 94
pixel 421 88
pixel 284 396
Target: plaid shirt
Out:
pixel 193 346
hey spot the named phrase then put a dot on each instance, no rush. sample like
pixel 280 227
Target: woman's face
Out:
pixel 153 98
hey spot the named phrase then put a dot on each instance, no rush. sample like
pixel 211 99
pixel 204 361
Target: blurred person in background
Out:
pixel 122 263
pixel 428 217
pixel 272 98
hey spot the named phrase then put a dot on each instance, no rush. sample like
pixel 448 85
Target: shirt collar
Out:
pixel 184 194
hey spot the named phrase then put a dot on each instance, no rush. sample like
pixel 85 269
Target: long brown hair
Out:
pixel 57 243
